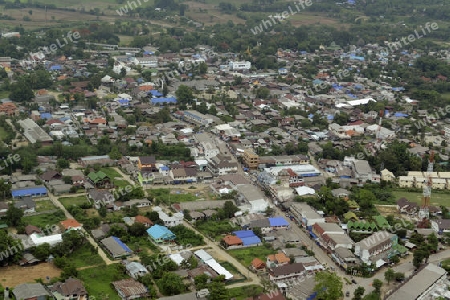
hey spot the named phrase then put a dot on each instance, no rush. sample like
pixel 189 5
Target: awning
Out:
pixel 379 263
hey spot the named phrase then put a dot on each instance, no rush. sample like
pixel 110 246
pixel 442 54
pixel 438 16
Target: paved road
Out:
pixel 86 234
pixel 254 279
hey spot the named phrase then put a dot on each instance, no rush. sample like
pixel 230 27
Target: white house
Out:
pixel 174 220
pixel 146 62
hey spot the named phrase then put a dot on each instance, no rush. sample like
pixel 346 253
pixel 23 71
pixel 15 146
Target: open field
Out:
pixel 44 220
pixel 98 281
pixel 15 275
pixel 44 205
pixel 84 257
pixel 246 255
pixel 168 196
pixel 437 199
pixel 69 201
pixel 241 293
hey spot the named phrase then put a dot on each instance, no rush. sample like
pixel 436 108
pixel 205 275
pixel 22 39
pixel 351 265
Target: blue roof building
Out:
pixel 278 222
pixel 160 234
pixel 160 101
pixel 46 116
pixel 37 191
pixel 156 93
pixel 55 68
pixel 248 237
pixel 116 247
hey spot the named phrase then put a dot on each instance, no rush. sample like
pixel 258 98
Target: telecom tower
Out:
pixel 424 212
pixel 378 133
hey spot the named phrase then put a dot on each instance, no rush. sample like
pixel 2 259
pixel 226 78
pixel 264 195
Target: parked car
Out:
pixel 347 294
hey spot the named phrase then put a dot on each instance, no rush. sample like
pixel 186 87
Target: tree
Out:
pixel 359 292
pixel 137 229
pixel 10 248
pixel 399 276
pixel 328 286
pixel 230 209
pixel 201 281
pixel 102 211
pixel 171 284
pixel 377 284
pixel 217 289
pixel 42 251
pixel 62 163
pixel 432 242
pixel 13 215
pixel 389 275
pixel 184 94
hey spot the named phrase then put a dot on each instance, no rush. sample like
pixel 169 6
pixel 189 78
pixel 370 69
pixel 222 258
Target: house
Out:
pixel 231 240
pixel 130 289
pixel 116 247
pixel 71 224
pixel 36 191
pixel 405 206
pixel 169 221
pixel 258 264
pixel 72 289
pixel 101 197
pixel 344 257
pixel 147 164
pixel 276 260
pixel 160 234
pixel 100 180
pixel 31 291
pixel 286 272
pixel 51 175
pixel 26 204
pixel 441 226
pixel 183 175
pixel 143 220
pixel 135 269
pixel 221 165
pixel 30 229
pixel 305 214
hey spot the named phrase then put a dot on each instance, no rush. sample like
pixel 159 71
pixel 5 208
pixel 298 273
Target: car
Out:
pixel 347 294
pixel 353 281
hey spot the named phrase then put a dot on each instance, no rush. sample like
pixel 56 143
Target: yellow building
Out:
pixel 251 159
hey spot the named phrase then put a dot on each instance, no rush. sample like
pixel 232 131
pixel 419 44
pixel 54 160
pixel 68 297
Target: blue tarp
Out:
pixel 252 240
pixel 278 221
pixel 163 100
pixel 400 115
pixel 34 191
pixel 330 117
pixel 244 233
pixel 121 244
pixel 317 81
pixel 312 235
pixel 123 101
pixel 55 68
pixel 398 89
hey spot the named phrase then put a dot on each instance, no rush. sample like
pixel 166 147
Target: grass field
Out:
pixel 167 196
pixel 83 257
pixel 243 292
pixel 44 205
pixel 246 255
pixel 436 198
pixel 44 220
pixel 98 281
pixel 69 201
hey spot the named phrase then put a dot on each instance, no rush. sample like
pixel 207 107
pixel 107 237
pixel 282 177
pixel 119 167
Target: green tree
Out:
pixel 263 93
pixel 10 248
pixel 377 284
pixel 328 286
pixel 389 275
pixel 171 284
pixel 13 215
pixel 137 229
pixel 359 292
pixel 42 251
pixel 184 94
pixel 432 242
pixel 217 289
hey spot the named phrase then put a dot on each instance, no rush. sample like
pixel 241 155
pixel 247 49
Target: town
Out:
pixel 134 171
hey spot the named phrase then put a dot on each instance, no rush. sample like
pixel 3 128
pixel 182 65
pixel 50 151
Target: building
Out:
pixel 287 272
pixel 116 247
pixel 372 247
pixel 169 221
pixel 72 289
pixel 135 269
pixel 406 181
pixel 419 285
pixel 146 61
pixel 160 234
pixel 239 65
pixel 183 175
pixel 305 214
pixel 34 133
pixel 250 158
pixel 130 289
pixel 36 191
pixel 71 224
pixel 31 291
pixel 222 165
pixel 196 117
pixel 147 164
pixel 26 204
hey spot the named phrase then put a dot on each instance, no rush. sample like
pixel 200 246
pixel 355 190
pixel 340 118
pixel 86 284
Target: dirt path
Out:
pixel 15 275
pixel 86 234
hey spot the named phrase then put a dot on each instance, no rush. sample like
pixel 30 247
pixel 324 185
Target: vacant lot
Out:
pixel 69 201
pixel 45 220
pixel 168 196
pixel 44 205
pixel 15 275
pixel 246 255
pixel 84 257
pixel 437 199
pixel 98 281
